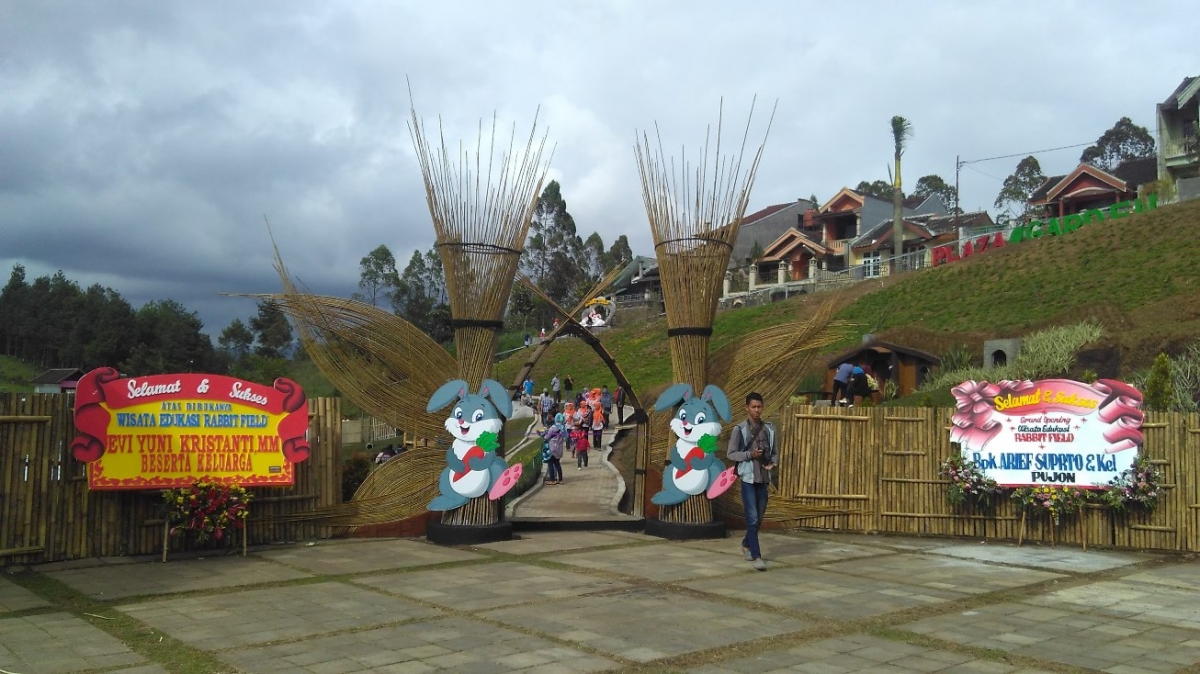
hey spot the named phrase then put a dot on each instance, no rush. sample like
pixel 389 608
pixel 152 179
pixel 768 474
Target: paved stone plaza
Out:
pixel 599 601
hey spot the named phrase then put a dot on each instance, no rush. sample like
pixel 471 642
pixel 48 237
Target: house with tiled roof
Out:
pixel 1179 138
pixel 57 380
pixel 849 217
pixel 638 285
pixel 850 234
pixel 764 226
pixel 1089 187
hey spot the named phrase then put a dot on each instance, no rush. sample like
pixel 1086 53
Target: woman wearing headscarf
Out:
pixel 556 435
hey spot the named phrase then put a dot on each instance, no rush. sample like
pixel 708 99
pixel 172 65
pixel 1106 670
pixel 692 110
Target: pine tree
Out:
pixel 1159 391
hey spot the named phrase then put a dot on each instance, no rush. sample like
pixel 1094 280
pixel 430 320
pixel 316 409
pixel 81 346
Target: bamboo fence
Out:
pixel 841 469
pixel 48 514
pixel 876 470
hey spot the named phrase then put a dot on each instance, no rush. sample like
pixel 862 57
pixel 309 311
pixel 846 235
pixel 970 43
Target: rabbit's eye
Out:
pixel 700 417
pixel 683 416
pixel 478 416
pixel 458 413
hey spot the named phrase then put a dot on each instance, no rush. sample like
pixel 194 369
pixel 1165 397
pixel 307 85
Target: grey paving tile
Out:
pixel 945 573
pixel 558 541
pixel 51 643
pixel 116 581
pixel 790 549
pixel 1185 575
pixel 889 541
pixel 1064 558
pixel 487 586
pixel 362 555
pixel 453 644
pixel 1067 637
pixel 824 593
pixel 1127 598
pixel 13 597
pixel 224 621
pixel 644 624
pixel 662 562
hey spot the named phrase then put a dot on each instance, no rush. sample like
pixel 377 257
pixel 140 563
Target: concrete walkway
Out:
pixel 610 601
pixel 591 494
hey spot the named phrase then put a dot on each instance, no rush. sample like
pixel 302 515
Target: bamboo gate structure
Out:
pixel 48 514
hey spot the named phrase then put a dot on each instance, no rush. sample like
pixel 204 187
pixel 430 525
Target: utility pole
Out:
pixel 958 164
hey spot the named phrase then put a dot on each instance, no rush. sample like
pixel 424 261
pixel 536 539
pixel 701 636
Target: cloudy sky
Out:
pixel 142 143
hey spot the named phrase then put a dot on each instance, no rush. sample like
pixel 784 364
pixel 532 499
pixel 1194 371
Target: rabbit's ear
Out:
pixel 672 396
pixel 720 403
pixel 446 394
pixel 496 392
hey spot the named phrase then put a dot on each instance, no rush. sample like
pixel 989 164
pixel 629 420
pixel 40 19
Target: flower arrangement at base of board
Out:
pixel 207 510
pixel 1138 488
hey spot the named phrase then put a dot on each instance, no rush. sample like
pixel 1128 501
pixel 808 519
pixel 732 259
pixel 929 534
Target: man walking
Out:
pixel 556 386
pixel 547 404
pixel 753 445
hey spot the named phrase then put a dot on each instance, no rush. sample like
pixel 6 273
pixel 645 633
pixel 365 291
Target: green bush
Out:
pixel 354 472
pixel 1184 380
pixel 956 358
pixel 530 475
pixel 1047 353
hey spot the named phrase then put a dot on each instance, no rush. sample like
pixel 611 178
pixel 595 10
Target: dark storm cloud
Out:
pixel 143 144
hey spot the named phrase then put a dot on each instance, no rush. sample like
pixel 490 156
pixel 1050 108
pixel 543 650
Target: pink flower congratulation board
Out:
pixel 1048 432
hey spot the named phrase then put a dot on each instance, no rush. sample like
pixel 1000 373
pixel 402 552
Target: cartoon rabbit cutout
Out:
pixel 694 467
pixel 472 466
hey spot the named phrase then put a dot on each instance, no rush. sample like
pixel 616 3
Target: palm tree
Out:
pixel 901 131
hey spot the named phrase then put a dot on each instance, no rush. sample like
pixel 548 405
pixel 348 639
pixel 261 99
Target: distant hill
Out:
pixel 1139 277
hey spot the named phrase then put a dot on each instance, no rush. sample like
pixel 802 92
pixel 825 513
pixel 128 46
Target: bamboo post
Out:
pixel 694 218
pixel 1083 527
pixel 1021 530
pixel 481 219
pixel 166 538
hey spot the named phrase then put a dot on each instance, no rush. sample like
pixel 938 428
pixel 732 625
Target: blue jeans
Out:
pixel 554 470
pixel 754 501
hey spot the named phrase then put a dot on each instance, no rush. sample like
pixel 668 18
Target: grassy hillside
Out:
pixel 1138 277
pixel 15 375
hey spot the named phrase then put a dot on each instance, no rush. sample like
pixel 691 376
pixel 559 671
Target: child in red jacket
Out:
pixel 580 438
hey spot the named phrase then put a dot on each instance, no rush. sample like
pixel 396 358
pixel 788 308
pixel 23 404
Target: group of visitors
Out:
pixel 387 454
pixel 575 426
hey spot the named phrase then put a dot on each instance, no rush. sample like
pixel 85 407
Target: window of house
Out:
pixel 915 258
pixel 871 264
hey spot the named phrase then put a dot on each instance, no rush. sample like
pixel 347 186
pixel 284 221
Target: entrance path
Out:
pixel 587 601
pixel 590 494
